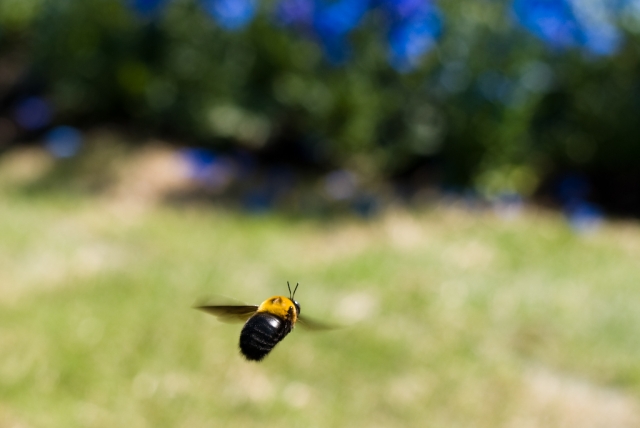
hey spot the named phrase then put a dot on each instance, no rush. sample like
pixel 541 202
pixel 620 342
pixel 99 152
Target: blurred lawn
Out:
pixel 459 319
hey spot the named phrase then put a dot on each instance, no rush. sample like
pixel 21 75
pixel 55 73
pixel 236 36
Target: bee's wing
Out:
pixel 311 324
pixel 230 313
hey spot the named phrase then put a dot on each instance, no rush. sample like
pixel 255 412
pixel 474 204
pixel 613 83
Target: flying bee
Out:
pixel 265 325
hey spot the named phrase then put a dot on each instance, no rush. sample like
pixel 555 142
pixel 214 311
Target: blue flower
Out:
pixel 405 9
pixel 597 19
pixel 295 12
pixel 584 217
pixel 33 113
pixel 412 36
pixel 571 189
pixel 63 141
pixel 564 24
pixel 414 25
pixel 199 161
pixel 338 18
pixel 330 22
pixel 231 14
pixel 147 7
pixel 604 39
pixel 553 21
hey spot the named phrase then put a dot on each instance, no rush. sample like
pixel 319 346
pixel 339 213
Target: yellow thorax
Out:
pixel 279 306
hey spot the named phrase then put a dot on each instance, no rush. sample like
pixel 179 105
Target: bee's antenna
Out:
pixel 292 295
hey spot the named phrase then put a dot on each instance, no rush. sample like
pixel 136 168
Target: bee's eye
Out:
pixel 297 307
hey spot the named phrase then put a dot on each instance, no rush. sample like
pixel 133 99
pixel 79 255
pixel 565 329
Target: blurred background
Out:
pixel 459 182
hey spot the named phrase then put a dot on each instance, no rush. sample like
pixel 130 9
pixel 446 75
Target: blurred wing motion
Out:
pixel 230 310
pixel 311 324
pixel 230 313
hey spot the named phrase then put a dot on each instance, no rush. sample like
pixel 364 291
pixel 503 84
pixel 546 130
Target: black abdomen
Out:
pixel 261 333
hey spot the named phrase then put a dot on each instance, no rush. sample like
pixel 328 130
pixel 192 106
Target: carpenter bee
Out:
pixel 266 324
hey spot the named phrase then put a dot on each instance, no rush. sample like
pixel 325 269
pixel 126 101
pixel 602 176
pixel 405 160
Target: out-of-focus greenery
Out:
pixel 497 106
pixel 456 318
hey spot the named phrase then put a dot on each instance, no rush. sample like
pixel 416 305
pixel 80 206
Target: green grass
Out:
pixel 456 319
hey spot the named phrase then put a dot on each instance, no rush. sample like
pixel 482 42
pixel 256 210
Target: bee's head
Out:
pixel 292 295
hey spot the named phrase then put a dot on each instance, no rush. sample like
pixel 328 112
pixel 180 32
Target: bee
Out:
pixel 266 324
